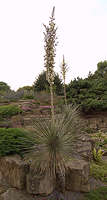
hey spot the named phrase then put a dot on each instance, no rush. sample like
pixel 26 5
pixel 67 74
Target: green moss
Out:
pixel 9 110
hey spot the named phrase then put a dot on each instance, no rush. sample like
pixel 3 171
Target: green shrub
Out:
pixel 101 140
pixel 89 130
pixel 97 154
pixel 9 110
pixel 4 87
pixel 14 141
pixel 105 141
pixel 90 93
pixel 99 170
pixel 99 194
pixel 28 97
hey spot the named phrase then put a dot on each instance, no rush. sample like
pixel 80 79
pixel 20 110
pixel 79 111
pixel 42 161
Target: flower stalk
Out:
pixel 64 70
pixel 50 49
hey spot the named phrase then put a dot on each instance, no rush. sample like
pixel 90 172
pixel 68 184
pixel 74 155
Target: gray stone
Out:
pixel 3 189
pixel 13 171
pixel 74 196
pixel 84 149
pixel 37 184
pixel 14 194
pixel 77 176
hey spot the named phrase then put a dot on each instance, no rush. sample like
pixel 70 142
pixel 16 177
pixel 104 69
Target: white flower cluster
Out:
pixel 50 49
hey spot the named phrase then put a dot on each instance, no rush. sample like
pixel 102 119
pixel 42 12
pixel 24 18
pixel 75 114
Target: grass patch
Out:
pixel 9 110
pixel 99 194
pixel 99 170
pixel 14 141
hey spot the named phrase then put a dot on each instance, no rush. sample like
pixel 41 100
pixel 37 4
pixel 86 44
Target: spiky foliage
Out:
pixel 50 49
pixel 64 70
pixel 97 154
pixel 53 141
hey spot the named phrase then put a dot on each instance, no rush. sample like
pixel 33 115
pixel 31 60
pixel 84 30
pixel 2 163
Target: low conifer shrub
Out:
pixel 14 141
pixel 7 111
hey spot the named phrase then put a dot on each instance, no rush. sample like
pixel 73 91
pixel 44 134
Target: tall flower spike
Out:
pixel 53 12
pixel 50 53
pixel 64 70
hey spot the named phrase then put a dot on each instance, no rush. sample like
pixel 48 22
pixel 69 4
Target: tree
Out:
pixel 4 86
pixel 25 92
pixel 102 68
pixel 63 72
pixel 50 49
pixel 90 93
pixel 101 71
pixel 4 89
pixel 41 84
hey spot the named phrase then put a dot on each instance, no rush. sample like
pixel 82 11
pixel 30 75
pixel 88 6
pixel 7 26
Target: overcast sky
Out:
pixel 82 37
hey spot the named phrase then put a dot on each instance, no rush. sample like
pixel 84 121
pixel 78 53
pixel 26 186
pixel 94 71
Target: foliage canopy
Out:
pixel 90 93
pixel 4 86
pixel 9 110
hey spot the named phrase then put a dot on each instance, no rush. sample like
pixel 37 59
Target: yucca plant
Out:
pixel 53 142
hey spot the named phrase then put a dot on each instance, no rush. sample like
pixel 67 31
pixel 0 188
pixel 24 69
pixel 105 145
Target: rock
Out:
pixel 84 149
pixel 96 183
pixel 77 176
pixel 13 171
pixel 74 196
pixel 67 195
pixel 26 108
pixel 3 189
pixel 104 158
pixel 37 184
pixel 14 194
pixel 85 188
pixel 17 121
pixel 105 153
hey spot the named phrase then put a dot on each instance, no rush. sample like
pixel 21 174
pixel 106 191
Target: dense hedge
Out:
pixel 14 141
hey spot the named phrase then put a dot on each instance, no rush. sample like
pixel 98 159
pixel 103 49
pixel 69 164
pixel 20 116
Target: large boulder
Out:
pixel 82 148
pixel 14 194
pixel 39 184
pixel 26 108
pixel 13 171
pixel 77 176
pixel 17 121
pixel 3 188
